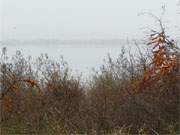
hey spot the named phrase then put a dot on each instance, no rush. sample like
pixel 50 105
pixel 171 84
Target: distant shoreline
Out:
pixel 71 42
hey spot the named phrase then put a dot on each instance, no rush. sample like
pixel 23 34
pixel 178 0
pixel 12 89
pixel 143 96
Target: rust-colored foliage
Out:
pixel 164 59
pixel 12 86
pixel 30 81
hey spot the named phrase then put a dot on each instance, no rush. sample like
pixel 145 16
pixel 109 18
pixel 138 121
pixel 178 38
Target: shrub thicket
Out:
pixel 43 97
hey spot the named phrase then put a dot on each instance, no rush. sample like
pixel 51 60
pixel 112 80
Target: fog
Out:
pixel 82 19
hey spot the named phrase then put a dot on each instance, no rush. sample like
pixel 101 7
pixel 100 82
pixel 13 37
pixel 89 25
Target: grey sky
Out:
pixel 81 19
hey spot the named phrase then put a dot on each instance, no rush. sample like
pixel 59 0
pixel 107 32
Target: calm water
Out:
pixel 81 58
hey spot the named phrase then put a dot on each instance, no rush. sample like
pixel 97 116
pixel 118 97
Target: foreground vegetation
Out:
pixel 43 97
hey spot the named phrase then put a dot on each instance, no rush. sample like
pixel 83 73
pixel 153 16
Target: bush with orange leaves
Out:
pixel 164 59
pixel 138 93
